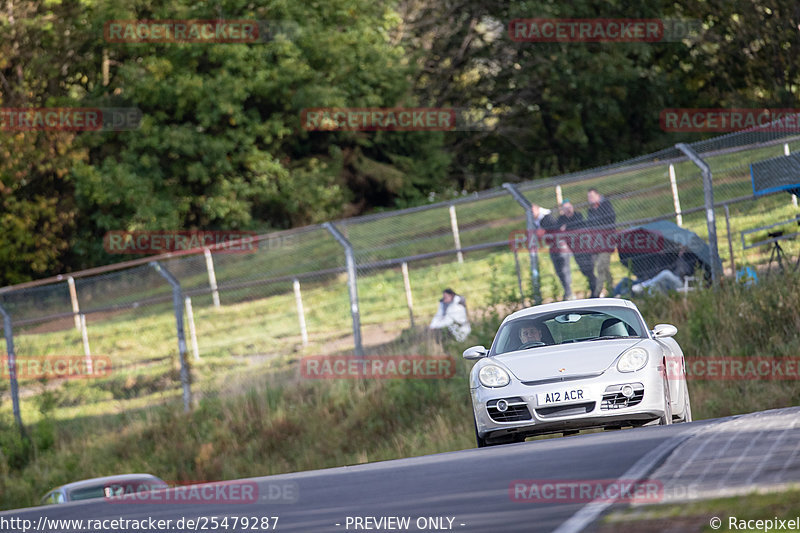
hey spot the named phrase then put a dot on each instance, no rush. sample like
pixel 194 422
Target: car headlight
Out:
pixel 632 360
pixel 493 376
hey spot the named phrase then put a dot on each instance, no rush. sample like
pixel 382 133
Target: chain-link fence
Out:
pixel 137 340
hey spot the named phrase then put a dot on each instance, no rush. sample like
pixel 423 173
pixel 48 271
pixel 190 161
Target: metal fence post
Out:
pixel 73 296
pixel 87 353
pixel 212 277
pixel 559 195
pixel 533 247
pixel 352 284
pixel 301 314
pixel 407 285
pixel 676 200
pixel 786 152
pixel 730 239
pixel 192 330
pixel 708 194
pixel 456 236
pixel 519 276
pixel 12 370
pixel 177 304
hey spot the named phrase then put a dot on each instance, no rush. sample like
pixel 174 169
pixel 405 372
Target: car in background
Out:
pixel 569 366
pixel 103 487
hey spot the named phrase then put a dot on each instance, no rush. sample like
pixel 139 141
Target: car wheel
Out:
pixel 687 406
pixel 667 418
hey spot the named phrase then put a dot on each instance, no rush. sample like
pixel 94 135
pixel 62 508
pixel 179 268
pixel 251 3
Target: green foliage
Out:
pixel 37 208
pixel 566 106
pixel 19 447
pixel 735 319
pixel 221 145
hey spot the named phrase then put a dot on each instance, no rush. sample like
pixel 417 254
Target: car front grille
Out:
pixel 614 399
pixel 517 410
pixel 572 409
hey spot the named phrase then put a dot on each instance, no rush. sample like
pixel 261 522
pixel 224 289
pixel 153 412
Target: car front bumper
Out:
pixel 601 404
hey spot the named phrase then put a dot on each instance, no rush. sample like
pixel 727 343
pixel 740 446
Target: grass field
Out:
pixel 697 516
pixel 257 416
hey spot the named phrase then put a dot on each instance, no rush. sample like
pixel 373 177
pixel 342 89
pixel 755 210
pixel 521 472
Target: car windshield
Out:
pixel 115 488
pixel 569 326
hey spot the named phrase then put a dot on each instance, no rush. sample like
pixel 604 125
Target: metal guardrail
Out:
pixel 770 240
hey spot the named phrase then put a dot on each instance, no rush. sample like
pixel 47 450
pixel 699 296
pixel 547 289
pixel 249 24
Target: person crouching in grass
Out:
pixel 452 314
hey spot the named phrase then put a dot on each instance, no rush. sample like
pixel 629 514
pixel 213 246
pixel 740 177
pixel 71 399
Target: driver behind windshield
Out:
pixel 530 333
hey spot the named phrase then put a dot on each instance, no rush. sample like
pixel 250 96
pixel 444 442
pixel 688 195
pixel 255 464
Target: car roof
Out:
pixel 569 305
pixel 107 479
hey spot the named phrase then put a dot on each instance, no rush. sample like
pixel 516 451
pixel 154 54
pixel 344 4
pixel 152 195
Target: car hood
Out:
pixel 566 360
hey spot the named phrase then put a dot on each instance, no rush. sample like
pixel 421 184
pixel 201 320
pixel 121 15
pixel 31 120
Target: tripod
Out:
pixel 779 255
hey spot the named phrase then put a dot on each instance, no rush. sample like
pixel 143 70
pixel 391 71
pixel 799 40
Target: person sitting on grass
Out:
pixel 670 278
pixel 452 314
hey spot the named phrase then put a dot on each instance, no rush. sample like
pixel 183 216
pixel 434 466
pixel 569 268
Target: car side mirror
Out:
pixel 661 331
pixel 475 352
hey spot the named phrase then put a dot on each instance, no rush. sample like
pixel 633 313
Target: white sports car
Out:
pixel 568 366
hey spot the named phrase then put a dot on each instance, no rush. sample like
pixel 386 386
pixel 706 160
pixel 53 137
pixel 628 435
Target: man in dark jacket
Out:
pixel 601 217
pixel 572 221
pixel 545 222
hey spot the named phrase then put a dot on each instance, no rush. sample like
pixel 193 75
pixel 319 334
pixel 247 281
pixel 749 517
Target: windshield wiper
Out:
pixel 528 348
pixel 604 337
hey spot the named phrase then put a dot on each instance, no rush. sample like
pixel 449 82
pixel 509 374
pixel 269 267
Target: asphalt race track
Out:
pixel 469 490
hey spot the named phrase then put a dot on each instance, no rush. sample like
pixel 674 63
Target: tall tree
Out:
pixel 564 106
pixel 221 144
pixel 41 60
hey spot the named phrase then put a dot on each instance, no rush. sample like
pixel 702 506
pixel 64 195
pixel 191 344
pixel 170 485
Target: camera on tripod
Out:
pixel 774 235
